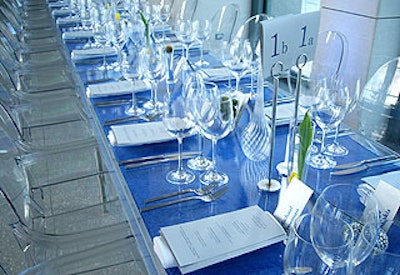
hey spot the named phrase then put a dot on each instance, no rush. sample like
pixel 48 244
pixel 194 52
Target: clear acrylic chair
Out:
pixel 223 24
pixel 379 105
pixel 43 234
pixel 14 34
pixel 183 10
pixel 118 257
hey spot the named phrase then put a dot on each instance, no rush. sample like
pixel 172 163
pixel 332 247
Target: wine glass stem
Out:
pixel 153 91
pixel 335 140
pixel 201 53
pixel 237 82
pixel 133 83
pixel 323 141
pixel 180 169
pixel 104 56
pixel 214 154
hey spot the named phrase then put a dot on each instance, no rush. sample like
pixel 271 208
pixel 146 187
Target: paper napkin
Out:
pixel 163 252
pixel 70 35
pixel 284 113
pixel 116 88
pixel 139 134
pixel 80 54
pixel 62 21
pixel 391 178
pixel 216 74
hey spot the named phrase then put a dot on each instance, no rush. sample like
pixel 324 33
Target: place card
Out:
pixel 207 241
pixel 291 204
pixel 116 88
pixel 139 134
pixel 388 202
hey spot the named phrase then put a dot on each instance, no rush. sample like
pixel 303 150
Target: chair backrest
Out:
pixel 251 30
pixel 379 105
pixel 183 9
pixel 223 24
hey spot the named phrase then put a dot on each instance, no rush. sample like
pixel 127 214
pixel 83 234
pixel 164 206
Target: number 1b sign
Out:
pixel 285 38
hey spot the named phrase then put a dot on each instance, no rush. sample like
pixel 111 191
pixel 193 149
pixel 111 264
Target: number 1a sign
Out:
pixel 284 38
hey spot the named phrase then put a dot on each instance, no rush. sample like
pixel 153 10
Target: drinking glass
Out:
pixel 202 28
pixel 193 86
pixel 385 256
pixel 100 32
pixel 238 57
pixel 299 256
pixel 185 33
pixel 336 149
pixel 155 71
pixel 165 14
pixel 213 109
pixel 329 102
pixel 177 122
pixel 131 61
pixel 345 222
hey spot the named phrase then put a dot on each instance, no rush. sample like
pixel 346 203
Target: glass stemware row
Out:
pixel 210 108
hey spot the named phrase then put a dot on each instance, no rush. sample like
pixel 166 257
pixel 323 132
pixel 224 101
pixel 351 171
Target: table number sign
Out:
pixel 285 38
pixel 388 201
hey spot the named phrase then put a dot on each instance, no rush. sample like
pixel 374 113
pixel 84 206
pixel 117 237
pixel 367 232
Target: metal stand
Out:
pixel 272 185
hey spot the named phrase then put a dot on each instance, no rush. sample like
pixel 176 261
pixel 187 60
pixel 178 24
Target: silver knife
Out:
pixel 155 161
pixel 154 157
pixel 363 167
pixel 365 161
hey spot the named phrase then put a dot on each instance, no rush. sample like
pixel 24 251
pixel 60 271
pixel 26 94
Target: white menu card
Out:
pixel 207 241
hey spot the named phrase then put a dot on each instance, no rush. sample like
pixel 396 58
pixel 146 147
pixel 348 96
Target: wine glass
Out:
pixel 165 14
pixel 185 33
pixel 202 28
pixel 100 31
pixel 155 70
pixel 345 222
pixel 336 149
pixel 238 57
pixel 329 102
pixel 193 86
pixel 212 108
pixel 131 61
pixel 299 256
pixel 177 122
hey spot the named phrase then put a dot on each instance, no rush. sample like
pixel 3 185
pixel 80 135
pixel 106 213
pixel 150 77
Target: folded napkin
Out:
pixel 164 253
pixel 58 4
pixel 71 35
pixel 216 74
pixel 63 21
pixel 179 47
pixel 391 178
pixel 61 12
pixel 139 134
pixel 80 54
pixel 116 88
pixel 284 113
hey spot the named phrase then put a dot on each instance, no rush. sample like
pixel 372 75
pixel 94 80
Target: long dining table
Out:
pixel 135 185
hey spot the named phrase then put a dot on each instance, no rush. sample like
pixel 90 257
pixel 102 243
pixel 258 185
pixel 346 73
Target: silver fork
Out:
pixel 206 198
pixel 199 191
